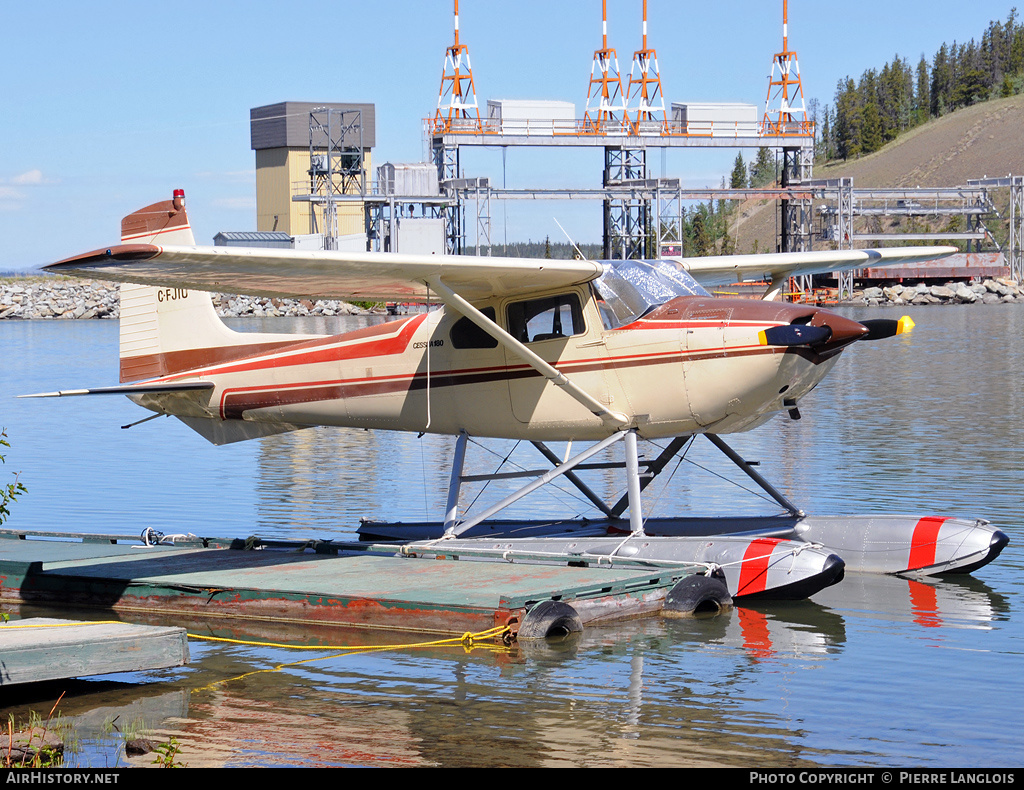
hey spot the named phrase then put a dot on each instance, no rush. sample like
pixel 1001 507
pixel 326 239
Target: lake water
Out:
pixel 877 671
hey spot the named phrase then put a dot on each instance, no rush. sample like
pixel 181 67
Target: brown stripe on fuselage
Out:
pixel 168 363
pixel 727 310
pixel 234 403
pixel 171 363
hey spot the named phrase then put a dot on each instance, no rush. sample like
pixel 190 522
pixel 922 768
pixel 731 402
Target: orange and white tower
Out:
pixel 457 109
pixel 785 114
pixel 646 103
pixel 606 103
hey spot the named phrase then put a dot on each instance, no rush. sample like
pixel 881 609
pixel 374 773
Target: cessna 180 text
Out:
pixel 541 350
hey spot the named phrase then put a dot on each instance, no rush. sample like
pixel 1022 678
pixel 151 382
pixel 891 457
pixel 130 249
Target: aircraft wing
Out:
pixel 383 277
pixel 776 267
pixel 351 276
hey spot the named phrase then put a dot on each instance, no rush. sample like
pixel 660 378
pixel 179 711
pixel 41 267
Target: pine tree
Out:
pixel 762 169
pixel 826 147
pixel 871 134
pixel 923 96
pixel 738 180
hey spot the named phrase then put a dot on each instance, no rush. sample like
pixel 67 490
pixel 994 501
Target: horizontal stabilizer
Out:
pixel 136 389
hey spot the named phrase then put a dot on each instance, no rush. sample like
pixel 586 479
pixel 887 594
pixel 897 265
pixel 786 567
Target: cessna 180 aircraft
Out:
pixel 584 351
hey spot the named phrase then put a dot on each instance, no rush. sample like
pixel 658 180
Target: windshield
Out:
pixel 629 289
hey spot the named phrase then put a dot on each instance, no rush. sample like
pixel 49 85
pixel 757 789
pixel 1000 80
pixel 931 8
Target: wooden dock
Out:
pixel 39 649
pixel 320 583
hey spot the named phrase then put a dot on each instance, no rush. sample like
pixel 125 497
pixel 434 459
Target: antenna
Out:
pixel 569 238
pixel 456 101
pixel 786 90
pixel 644 91
pixel 604 97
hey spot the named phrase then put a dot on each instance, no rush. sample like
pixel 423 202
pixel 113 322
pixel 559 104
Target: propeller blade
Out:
pixel 880 328
pixel 794 335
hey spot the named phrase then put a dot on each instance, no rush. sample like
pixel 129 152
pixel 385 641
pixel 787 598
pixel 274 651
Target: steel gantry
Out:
pixel 1015 245
pixel 626 124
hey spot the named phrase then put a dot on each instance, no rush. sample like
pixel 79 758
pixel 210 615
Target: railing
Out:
pixel 616 128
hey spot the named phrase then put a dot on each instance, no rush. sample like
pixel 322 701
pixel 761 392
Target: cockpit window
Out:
pixel 549 318
pixel 629 289
pixel 466 334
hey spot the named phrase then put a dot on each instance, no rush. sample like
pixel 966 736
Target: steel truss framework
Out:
pixel 336 166
pixel 973 202
pixel 383 213
pixel 640 473
pixel 627 219
pixel 646 216
pixel 632 225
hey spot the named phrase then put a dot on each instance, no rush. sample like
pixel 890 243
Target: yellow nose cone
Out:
pixel 905 324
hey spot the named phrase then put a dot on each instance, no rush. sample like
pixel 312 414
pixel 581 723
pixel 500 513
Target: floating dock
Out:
pixel 40 648
pixel 324 583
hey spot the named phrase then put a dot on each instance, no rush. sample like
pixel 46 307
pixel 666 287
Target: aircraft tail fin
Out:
pixel 172 330
pixel 165 222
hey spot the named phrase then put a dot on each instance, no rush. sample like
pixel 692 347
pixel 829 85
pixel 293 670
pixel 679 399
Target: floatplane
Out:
pixel 592 353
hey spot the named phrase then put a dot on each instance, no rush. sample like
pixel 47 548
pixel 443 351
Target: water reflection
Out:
pixel 748 687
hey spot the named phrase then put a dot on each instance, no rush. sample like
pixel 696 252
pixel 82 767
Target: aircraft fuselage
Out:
pixel 693 364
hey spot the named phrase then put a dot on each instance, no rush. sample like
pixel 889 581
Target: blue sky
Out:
pixel 108 106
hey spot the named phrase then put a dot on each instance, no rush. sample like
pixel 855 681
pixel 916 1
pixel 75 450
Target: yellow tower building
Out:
pixel 310 151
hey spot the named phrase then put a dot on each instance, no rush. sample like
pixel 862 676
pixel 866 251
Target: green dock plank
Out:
pixel 39 649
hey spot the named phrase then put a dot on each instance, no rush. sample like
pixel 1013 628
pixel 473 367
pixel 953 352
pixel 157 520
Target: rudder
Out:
pixel 171 330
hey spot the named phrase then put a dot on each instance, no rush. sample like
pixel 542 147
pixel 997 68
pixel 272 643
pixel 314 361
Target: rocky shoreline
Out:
pixel 32 298
pixel 999 290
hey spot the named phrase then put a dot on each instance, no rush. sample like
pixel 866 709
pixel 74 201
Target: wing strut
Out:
pixel 550 372
pixel 773 289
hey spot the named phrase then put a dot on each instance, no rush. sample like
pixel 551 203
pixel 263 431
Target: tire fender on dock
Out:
pixel 550 619
pixel 695 595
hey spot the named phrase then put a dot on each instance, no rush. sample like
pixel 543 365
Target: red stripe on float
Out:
pixel 922 544
pixel 754 569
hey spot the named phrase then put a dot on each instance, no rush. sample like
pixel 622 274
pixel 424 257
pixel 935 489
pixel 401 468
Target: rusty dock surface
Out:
pixel 324 583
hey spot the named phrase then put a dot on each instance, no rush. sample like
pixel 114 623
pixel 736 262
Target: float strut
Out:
pixel 451 512
pixel 572 477
pixel 654 468
pixel 636 516
pixel 543 480
pixel 767 487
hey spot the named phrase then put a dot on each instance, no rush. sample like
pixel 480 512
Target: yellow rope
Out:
pixel 63 625
pixel 467 640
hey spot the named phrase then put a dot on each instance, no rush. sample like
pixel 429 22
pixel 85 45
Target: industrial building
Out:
pixel 298 144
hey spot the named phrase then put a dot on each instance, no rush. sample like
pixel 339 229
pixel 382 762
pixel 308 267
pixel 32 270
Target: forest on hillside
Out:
pixel 873 111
